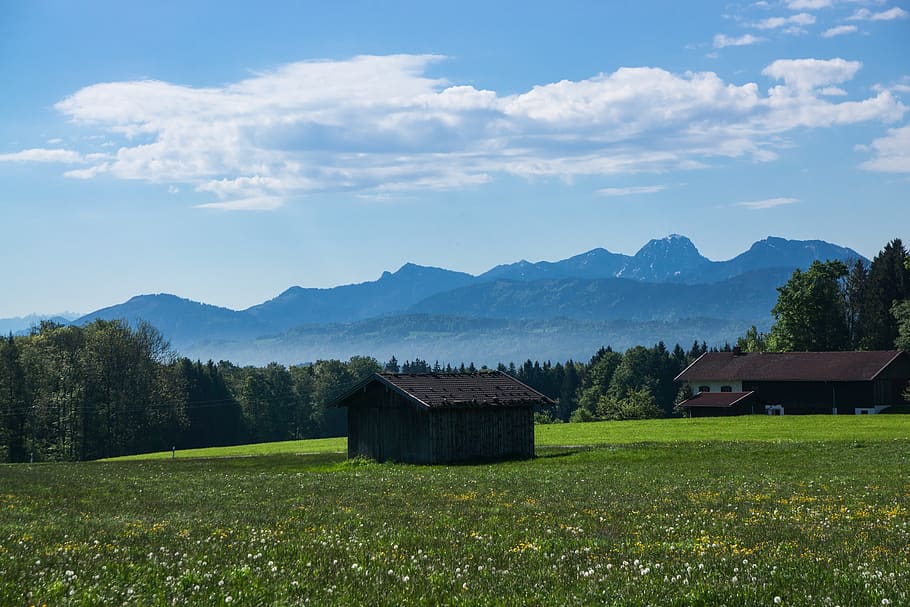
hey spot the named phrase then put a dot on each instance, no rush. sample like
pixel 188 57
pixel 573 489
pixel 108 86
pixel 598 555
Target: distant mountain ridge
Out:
pixel 676 259
pixel 392 292
pixel 667 282
pixel 22 324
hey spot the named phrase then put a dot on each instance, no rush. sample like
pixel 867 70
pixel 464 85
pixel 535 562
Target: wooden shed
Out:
pixel 441 418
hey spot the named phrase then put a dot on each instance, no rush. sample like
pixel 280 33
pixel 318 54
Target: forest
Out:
pixel 107 388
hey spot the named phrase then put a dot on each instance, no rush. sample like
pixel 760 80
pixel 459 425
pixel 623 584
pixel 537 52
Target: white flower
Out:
pixel 777 600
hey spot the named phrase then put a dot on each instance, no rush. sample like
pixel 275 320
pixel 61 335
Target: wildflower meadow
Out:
pixel 706 522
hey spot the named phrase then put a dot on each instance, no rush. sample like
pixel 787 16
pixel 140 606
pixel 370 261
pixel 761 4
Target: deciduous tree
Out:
pixel 810 312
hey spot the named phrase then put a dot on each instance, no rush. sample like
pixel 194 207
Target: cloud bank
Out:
pixel 378 124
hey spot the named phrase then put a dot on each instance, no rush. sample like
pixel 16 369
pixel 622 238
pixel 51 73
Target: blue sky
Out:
pixel 225 151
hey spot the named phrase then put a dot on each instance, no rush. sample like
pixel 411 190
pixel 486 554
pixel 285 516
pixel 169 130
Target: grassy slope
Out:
pixel 746 428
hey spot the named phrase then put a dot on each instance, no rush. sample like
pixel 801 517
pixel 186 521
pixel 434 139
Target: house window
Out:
pixel 726 388
pixel 704 388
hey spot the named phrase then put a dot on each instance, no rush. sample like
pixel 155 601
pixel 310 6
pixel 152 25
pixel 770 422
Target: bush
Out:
pixel 583 415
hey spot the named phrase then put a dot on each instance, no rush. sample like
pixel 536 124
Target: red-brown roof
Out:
pixel 716 399
pixel 789 366
pixel 439 390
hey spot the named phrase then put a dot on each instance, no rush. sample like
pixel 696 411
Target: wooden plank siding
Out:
pixel 473 433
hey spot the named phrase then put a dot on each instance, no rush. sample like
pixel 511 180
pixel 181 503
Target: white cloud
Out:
pixel 631 191
pixel 839 30
pixel 864 14
pixel 378 124
pixel 806 74
pixel 796 22
pixel 769 203
pixel 892 152
pixel 257 203
pixel 723 41
pixel 833 91
pixel 808 5
pixel 43 155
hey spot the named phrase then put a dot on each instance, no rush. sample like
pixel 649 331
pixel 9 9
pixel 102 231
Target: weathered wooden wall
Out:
pixel 465 434
pixel 382 425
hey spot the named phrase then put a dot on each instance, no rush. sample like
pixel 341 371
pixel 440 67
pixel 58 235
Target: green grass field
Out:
pixel 748 511
pixel 747 428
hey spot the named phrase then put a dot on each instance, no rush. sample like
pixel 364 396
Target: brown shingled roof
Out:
pixel 716 399
pixel 789 366
pixel 461 389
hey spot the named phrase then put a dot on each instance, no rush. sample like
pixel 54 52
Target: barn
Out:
pixel 441 418
pixel 736 383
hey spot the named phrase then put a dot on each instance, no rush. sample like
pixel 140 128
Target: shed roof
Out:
pixel 717 399
pixel 789 366
pixel 443 390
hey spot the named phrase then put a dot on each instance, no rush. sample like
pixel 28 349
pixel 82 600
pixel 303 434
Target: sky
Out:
pixel 225 151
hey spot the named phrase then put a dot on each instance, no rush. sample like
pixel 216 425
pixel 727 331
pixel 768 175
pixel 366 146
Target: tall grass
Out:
pixel 679 522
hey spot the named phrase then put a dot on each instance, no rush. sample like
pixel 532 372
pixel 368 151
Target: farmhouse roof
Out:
pixel 717 399
pixel 789 366
pixel 443 390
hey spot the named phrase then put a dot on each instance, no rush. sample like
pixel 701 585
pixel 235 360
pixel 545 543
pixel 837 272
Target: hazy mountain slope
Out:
pixel 751 295
pixel 390 293
pixel 779 252
pixel 21 324
pixel 457 339
pixel 181 320
pixel 596 263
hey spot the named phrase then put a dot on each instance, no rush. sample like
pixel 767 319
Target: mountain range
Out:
pixel 564 309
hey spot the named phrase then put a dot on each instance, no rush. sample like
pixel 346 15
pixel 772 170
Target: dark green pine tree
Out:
pixel 855 296
pixel 888 282
pixel 568 391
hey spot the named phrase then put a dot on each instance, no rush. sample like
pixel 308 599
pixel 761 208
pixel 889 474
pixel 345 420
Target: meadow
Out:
pixel 755 511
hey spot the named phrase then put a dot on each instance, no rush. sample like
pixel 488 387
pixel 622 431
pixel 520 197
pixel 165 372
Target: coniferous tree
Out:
pixel 855 297
pixel 392 366
pixel 888 282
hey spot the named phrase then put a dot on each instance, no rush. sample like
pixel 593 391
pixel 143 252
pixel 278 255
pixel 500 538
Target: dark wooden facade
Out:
pixel 804 382
pixel 827 397
pixel 390 419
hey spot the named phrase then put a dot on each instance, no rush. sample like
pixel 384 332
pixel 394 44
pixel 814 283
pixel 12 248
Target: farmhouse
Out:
pixel 441 417
pixel 737 383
